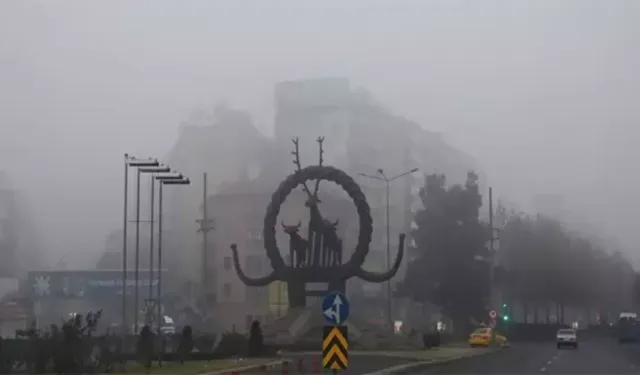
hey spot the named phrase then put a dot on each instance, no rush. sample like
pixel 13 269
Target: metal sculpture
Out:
pixel 319 257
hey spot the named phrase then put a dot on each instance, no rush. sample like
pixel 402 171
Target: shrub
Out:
pixel 431 340
pixel 145 347
pixel 186 343
pixel 256 343
pixel 204 343
pixel 232 344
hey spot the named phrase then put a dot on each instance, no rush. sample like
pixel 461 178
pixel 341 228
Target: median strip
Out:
pixel 414 366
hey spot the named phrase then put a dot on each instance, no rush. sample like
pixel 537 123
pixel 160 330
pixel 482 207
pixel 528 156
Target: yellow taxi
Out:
pixel 485 336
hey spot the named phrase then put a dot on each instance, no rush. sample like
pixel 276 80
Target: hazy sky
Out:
pixel 541 92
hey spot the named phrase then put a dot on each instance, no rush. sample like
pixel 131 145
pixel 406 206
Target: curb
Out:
pixel 420 365
pixel 238 370
pixel 368 353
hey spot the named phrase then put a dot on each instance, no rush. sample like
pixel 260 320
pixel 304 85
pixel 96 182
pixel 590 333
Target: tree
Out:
pixel 549 264
pixel 450 268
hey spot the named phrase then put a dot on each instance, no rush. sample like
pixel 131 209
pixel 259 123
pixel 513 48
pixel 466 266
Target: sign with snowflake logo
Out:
pixel 89 284
pixel 42 285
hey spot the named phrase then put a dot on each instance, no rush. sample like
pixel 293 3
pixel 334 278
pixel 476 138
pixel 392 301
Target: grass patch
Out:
pixel 194 367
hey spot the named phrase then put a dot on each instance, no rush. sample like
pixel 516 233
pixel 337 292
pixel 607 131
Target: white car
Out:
pixel 567 337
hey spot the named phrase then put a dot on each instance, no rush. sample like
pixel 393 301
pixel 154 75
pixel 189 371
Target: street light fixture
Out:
pixel 167 179
pixel 141 169
pixel 383 177
pixel 129 161
pixel 153 171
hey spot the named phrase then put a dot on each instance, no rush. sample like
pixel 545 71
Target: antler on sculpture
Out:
pixel 374 277
pixel 296 161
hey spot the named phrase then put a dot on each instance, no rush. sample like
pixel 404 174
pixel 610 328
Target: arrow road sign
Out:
pixel 335 308
pixel 335 348
pixel 492 314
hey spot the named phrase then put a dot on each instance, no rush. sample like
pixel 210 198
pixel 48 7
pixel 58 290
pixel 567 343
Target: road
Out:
pixel 358 364
pixel 595 356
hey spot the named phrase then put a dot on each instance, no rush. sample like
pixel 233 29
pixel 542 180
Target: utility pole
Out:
pixel 492 250
pixel 206 225
pixel 388 227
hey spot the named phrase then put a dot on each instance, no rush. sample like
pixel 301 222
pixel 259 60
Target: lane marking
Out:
pixel 549 362
pixel 544 369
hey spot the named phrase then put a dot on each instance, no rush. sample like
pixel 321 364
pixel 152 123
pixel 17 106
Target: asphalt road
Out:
pixel 595 356
pixel 358 364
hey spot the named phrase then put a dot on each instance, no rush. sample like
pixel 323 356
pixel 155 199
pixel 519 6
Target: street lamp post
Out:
pixel 129 161
pixel 142 169
pixel 387 180
pixel 173 179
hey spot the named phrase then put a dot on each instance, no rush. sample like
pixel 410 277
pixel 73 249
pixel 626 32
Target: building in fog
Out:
pixel 19 244
pixel 228 148
pixel 361 136
pixel 111 257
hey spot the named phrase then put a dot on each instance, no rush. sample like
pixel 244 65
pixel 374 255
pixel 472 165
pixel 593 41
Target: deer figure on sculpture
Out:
pixel 319 248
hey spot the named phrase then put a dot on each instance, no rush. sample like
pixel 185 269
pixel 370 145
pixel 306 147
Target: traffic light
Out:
pixel 505 312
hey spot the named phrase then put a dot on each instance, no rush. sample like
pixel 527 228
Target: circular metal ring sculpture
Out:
pixel 353 268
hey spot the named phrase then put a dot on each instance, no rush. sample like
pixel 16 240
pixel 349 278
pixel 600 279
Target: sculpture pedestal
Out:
pixel 301 329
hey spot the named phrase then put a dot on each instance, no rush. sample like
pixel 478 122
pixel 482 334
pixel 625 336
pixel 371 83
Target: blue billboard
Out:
pixel 89 284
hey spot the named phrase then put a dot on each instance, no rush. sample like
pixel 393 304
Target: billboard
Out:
pixel 89 284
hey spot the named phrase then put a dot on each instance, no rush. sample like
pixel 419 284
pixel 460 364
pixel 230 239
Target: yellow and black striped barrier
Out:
pixel 335 348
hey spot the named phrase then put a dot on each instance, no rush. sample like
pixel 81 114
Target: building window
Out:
pixel 227 263
pixel 226 290
pixel 256 235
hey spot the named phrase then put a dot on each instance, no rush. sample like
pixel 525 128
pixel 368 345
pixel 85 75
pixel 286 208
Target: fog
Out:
pixel 542 93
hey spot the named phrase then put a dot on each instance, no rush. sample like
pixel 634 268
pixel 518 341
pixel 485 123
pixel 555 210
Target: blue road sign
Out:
pixel 335 308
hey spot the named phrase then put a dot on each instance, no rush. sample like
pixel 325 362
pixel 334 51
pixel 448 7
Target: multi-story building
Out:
pixel 362 137
pixel 228 148
pixel 19 245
